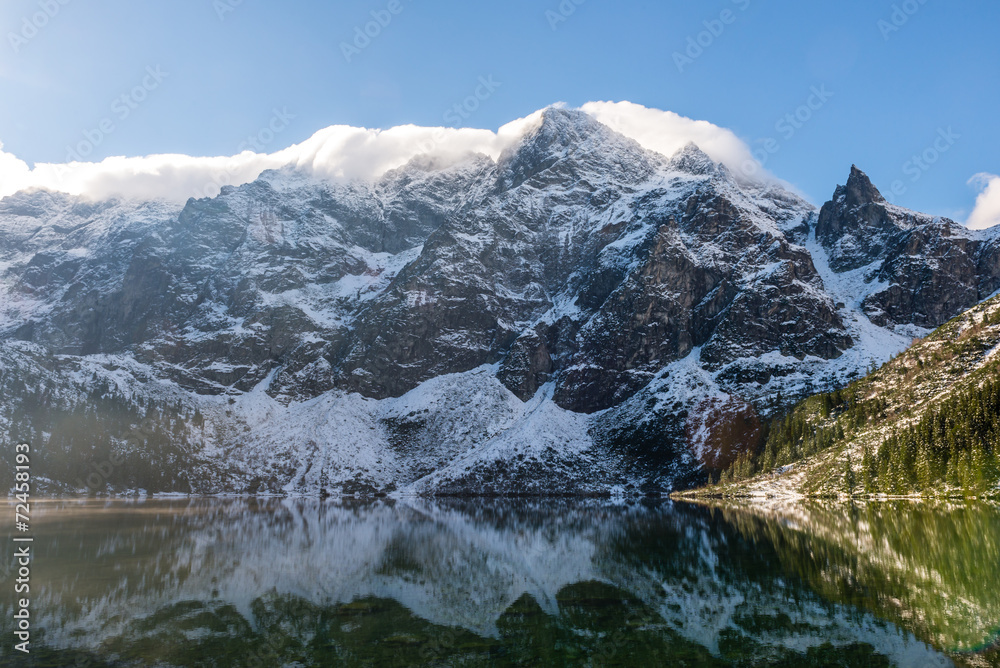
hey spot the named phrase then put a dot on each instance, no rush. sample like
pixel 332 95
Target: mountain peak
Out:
pixel 858 224
pixel 571 135
pixel 566 127
pixel 560 130
pixel 860 190
pixel 693 160
pixel 562 116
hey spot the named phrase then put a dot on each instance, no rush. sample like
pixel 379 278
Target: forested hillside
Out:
pixel 927 422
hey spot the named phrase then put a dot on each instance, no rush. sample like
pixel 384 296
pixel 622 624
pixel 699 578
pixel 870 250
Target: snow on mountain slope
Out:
pixel 580 315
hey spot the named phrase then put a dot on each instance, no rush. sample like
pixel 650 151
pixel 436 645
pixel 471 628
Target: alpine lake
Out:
pixel 492 582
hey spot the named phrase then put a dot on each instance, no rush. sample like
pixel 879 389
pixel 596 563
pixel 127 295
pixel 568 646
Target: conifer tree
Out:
pixel 849 482
pixel 867 471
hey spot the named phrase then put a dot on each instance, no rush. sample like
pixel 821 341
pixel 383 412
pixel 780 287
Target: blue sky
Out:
pixel 899 76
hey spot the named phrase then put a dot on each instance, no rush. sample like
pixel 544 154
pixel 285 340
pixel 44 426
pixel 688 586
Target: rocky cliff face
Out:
pixel 930 269
pixel 560 320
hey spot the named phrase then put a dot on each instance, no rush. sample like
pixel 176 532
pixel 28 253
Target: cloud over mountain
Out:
pixel 346 153
pixel 987 211
pixel 667 132
pixel 342 152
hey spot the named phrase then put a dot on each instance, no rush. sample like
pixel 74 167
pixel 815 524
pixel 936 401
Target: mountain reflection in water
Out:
pixel 222 582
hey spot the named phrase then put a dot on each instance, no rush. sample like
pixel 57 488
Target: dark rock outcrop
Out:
pixel 448 315
pixel 932 268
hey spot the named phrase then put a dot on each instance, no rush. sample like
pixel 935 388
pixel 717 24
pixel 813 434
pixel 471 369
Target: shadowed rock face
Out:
pixel 575 217
pixel 933 268
pixel 578 267
pixel 578 218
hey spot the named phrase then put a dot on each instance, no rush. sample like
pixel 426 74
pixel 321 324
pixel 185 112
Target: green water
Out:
pixel 499 583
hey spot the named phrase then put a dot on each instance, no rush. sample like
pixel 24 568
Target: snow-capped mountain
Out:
pixel 581 315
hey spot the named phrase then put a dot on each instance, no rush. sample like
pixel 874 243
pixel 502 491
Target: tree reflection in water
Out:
pixel 509 583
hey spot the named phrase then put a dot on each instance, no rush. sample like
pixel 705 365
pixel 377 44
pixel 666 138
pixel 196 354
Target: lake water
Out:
pixel 212 582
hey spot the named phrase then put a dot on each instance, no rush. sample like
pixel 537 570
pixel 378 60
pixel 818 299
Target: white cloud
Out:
pixel 344 152
pixel 666 132
pixel 348 153
pixel 338 152
pixel 987 211
pixel 14 174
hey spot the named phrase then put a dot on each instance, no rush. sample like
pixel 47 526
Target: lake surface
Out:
pixel 212 582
